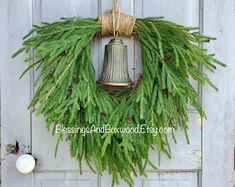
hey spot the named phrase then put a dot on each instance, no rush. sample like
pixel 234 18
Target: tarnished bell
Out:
pixel 115 67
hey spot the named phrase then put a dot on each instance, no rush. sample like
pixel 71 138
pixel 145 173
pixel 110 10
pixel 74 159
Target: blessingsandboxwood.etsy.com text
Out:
pixel 141 129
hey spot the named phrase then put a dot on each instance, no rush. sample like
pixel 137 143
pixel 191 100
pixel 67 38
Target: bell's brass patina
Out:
pixel 115 67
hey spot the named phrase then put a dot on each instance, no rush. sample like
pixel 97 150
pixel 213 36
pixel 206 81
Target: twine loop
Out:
pixel 117 23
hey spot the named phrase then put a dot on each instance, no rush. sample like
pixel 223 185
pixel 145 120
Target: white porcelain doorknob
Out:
pixel 25 163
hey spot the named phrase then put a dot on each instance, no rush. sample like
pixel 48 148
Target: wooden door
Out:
pixel 19 124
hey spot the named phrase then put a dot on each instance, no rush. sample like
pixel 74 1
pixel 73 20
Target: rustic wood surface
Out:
pixel 215 17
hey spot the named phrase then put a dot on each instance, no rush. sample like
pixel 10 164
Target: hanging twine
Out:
pixel 117 23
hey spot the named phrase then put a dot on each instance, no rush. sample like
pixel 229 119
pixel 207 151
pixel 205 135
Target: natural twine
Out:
pixel 117 23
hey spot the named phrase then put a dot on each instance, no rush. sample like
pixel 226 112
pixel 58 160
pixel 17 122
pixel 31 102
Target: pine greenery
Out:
pixel 67 92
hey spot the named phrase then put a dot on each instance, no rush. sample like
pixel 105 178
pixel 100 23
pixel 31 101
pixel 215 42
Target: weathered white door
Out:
pixel 18 124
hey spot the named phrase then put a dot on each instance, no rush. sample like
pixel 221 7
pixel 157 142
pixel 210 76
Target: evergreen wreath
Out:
pixel 67 92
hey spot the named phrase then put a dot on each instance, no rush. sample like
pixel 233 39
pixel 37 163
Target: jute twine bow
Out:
pixel 117 23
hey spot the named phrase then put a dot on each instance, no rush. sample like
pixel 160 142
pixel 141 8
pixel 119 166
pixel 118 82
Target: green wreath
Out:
pixel 67 92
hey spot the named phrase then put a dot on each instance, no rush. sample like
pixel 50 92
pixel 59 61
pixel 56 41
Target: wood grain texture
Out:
pixel 218 129
pixel 184 156
pixel 15 21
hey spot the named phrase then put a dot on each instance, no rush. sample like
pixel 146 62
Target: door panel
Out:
pixel 65 179
pixel 172 180
pixel 184 12
pixel 62 171
pixel 161 179
pixel 184 156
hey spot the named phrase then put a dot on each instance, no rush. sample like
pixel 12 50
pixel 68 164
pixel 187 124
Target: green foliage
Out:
pixel 67 92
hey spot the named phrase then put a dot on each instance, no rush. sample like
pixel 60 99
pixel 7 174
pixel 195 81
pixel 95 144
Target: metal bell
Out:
pixel 115 66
